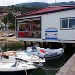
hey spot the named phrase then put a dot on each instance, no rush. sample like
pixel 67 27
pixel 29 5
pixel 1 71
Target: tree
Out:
pixel 11 18
pixel 5 21
pixel 12 27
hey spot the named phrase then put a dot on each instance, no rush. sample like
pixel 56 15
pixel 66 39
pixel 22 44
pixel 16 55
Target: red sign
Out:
pixel 23 34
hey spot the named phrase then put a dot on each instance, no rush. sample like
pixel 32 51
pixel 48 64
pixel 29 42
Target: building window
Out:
pixel 65 23
pixel 31 28
pixel 68 23
pixel 71 23
pixel 24 27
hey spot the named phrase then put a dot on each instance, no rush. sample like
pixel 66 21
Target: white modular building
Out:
pixel 51 24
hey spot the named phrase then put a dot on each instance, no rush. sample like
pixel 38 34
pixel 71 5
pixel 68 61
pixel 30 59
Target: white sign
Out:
pixel 51 33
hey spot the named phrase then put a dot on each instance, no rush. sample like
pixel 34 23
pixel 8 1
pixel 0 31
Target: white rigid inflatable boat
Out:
pixel 48 54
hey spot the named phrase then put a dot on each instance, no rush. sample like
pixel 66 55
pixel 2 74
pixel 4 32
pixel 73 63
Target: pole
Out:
pixel 55 1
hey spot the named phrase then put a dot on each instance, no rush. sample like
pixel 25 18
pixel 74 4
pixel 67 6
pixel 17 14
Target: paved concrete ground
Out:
pixel 68 68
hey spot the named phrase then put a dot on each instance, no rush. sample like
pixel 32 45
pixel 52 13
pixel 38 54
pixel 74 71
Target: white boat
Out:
pixel 48 54
pixel 26 56
pixel 12 65
pixel 19 62
pixel 10 34
pixel 7 34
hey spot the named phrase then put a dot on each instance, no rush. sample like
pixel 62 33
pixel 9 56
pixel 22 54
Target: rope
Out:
pixel 25 70
pixel 35 57
pixel 23 66
pixel 18 62
pixel 38 58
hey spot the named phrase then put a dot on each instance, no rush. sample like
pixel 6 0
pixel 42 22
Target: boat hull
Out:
pixel 14 69
pixel 20 72
pixel 53 57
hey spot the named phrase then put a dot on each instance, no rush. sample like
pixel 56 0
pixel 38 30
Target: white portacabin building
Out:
pixel 51 24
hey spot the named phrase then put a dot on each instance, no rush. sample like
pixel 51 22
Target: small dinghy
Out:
pixel 48 54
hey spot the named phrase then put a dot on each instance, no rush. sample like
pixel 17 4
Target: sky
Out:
pixel 13 2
